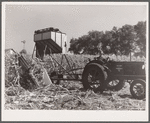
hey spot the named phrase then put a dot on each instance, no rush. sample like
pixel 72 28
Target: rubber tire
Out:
pixel 140 81
pixel 117 87
pixel 84 77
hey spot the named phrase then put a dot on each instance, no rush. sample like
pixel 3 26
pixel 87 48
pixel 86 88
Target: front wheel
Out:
pixel 138 88
pixel 94 77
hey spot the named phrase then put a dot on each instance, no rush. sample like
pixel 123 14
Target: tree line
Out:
pixel 118 41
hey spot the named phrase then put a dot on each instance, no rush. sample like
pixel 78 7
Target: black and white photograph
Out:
pixel 75 61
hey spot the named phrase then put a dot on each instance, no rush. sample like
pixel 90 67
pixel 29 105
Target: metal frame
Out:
pixel 72 71
pixel 73 75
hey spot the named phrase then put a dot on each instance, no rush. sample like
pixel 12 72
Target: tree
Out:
pixel 87 44
pixel 115 41
pixel 111 42
pixel 127 39
pixel 74 46
pixel 120 41
pixel 107 43
pixel 140 29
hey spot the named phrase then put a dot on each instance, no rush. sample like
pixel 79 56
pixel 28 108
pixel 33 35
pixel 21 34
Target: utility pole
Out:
pixel 23 43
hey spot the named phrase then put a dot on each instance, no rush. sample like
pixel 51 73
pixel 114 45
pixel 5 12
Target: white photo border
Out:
pixel 63 115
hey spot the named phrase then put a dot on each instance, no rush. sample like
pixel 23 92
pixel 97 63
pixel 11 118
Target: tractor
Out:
pixel 104 74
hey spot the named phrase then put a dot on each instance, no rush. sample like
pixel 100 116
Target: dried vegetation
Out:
pixel 68 95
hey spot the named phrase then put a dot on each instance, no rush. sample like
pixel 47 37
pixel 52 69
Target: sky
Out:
pixel 21 20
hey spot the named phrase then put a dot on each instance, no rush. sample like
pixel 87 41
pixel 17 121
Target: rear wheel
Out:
pixel 137 89
pixel 94 77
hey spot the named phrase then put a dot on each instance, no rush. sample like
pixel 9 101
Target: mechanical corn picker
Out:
pixel 99 74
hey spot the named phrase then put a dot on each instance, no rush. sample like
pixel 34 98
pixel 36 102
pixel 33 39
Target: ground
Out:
pixel 71 96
